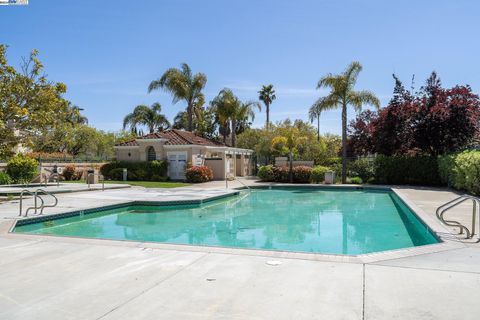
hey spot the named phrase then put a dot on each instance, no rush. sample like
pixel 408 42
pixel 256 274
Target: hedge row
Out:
pixel 143 171
pixel 300 174
pixel 461 171
pixel 419 170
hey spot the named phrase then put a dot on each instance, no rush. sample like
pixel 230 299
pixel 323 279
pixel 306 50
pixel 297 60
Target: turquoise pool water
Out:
pixel 301 219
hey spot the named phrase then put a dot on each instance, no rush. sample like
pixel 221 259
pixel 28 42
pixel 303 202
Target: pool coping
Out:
pixel 444 235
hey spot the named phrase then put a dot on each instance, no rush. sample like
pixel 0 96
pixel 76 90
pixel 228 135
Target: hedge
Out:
pixel 301 174
pixel 462 171
pixel 417 170
pixel 22 169
pixel 318 174
pixel 155 170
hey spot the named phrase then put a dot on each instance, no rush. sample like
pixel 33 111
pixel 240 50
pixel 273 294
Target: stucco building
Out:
pixel 182 148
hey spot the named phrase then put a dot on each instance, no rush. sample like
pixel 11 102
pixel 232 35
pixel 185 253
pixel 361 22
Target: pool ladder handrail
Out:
pixel 36 196
pixel 100 177
pixel 35 207
pixel 43 204
pixel 441 210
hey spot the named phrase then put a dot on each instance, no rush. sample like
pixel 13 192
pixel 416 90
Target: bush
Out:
pixel 414 170
pixel 198 174
pixel 281 174
pixel 446 169
pixel 78 175
pixel 68 172
pixel 466 172
pixel 302 174
pixel 356 180
pixel 265 173
pixel 318 174
pixel 144 171
pixel 22 169
pixel 362 168
pixel 5 178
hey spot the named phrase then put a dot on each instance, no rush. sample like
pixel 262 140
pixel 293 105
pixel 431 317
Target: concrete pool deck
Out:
pixel 71 278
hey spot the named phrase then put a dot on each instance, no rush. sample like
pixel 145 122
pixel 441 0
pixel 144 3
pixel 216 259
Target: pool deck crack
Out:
pixel 151 287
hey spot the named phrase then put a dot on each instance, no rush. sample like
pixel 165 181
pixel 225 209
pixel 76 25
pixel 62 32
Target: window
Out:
pixel 151 154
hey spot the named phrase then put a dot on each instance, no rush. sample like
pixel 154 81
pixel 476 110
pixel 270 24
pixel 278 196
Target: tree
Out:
pixel 315 112
pixel 204 126
pixel 342 95
pixel 142 115
pixel 183 85
pixel 241 114
pixel 289 140
pixel 232 114
pixel 267 95
pixel 433 121
pixel 29 104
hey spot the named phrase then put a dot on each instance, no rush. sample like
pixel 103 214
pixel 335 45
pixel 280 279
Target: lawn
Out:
pixel 145 184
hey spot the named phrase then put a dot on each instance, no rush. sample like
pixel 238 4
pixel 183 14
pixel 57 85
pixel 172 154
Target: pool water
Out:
pixel 302 219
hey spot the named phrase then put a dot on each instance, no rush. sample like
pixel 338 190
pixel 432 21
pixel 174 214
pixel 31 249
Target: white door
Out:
pixel 177 161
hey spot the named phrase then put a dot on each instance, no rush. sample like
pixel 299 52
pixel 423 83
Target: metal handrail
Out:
pixel 249 189
pixel 43 206
pixel 21 201
pixel 441 210
pixel 101 178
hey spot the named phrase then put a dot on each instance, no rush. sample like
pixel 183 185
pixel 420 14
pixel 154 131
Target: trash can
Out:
pixel 330 177
pixel 92 177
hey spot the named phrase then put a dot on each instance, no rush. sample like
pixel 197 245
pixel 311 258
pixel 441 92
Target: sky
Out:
pixel 107 52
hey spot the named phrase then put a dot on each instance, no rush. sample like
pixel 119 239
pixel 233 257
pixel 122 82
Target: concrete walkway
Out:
pixel 67 278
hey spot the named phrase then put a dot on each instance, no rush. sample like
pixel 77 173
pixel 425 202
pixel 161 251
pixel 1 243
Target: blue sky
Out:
pixel 107 52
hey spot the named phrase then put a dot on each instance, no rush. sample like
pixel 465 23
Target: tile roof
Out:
pixel 174 137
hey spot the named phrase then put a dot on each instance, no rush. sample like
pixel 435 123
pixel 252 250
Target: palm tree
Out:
pixel 74 115
pixel 315 112
pixel 267 95
pixel 142 115
pixel 241 113
pixel 222 106
pixel 183 85
pixel 342 95
pixel 231 112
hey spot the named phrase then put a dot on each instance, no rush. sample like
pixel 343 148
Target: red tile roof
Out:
pixel 174 137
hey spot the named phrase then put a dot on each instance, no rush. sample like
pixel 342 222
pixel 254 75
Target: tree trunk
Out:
pixel 291 166
pixel 318 128
pixel 190 117
pixel 234 134
pixel 267 125
pixel 344 143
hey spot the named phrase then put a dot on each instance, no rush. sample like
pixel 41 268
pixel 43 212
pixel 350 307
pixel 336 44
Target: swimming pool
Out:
pixel 339 221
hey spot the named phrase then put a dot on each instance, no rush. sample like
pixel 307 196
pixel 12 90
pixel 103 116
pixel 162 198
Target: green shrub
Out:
pixel 5 178
pixel 143 171
pixel 68 172
pixel 115 174
pixel 302 174
pixel 446 169
pixel 281 174
pixel 265 173
pixel 198 174
pixel 318 174
pixel 355 180
pixel 418 170
pixel 466 172
pixel 362 168
pixel 22 169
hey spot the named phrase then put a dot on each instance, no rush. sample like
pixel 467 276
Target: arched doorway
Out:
pixel 151 154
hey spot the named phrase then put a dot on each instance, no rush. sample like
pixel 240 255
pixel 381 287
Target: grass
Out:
pixel 145 184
